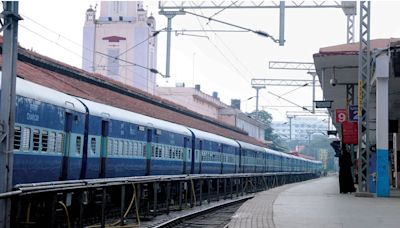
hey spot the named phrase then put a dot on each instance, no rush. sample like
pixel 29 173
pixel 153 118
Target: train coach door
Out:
pixel 148 151
pixel 200 154
pixel 221 158
pixel 103 148
pixel 67 145
pixel 185 155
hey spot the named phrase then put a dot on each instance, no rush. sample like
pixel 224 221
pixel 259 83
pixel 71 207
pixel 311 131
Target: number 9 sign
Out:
pixel 341 115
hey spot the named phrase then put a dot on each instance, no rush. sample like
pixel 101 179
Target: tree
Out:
pixel 278 143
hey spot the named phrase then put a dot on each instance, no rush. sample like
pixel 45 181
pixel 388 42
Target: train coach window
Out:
pixel 52 142
pixel 143 149
pixel 120 147
pixel 17 137
pixel 93 145
pixel 135 149
pixel 114 149
pixel 26 139
pixel 36 139
pixel 110 146
pixel 130 148
pixel 125 150
pixel 45 139
pixel 59 142
pixel 78 144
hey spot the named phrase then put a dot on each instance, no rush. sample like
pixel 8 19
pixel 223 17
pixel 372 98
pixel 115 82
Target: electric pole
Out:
pixel 7 105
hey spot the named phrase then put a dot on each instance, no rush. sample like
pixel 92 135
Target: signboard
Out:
pixel 323 104
pixel 349 132
pixel 341 115
pixel 353 113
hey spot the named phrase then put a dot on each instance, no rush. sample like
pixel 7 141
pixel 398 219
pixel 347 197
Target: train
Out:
pixel 62 137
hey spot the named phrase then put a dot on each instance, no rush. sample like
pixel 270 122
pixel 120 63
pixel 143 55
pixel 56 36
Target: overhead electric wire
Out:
pixel 81 46
pixel 68 50
pixel 223 55
pixel 230 50
pixel 290 91
pixel 291 102
pixel 258 32
pixel 141 42
pixel 215 14
pixel 54 42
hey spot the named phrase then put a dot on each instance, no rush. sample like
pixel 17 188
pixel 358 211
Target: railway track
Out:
pixel 214 217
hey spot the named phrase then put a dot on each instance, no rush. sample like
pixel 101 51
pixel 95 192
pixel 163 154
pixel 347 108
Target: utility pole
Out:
pixel 7 105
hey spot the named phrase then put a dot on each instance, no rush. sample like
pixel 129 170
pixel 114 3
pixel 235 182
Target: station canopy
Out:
pixel 341 63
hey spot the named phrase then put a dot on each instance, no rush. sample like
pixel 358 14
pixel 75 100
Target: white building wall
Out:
pixel 109 41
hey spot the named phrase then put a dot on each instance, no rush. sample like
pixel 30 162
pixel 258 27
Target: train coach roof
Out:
pixel 273 152
pixel 251 146
pixel 30 90
pixel 213 137
pixel 106 111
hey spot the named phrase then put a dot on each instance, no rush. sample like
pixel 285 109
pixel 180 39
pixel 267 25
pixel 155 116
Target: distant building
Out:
pixel 119 39
pixel 211 106
pixel 302 128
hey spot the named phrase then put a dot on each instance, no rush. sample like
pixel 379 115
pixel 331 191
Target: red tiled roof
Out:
pixel 79 86
pixel 353 48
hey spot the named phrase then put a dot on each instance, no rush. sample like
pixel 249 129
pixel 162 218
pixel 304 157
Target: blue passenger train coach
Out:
pixel 61 137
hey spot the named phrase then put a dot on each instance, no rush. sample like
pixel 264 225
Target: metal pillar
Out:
pixel 350 10
pixel 313 74
pixel 350 100
pixel 290 127
pixel 168 61
pixel 257 88
pixel 282 23
pixel 382 128
pixel 350 28
pixel 364 58
pixel 169 15
pixel 7 105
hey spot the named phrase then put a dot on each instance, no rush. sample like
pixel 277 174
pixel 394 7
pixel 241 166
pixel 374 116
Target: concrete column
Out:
pixel 382 125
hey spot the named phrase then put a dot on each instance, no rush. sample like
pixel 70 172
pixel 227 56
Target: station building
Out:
pixel 211 106
pixel 120 44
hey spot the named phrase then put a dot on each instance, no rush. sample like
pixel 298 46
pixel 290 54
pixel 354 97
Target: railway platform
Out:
pixel 316 203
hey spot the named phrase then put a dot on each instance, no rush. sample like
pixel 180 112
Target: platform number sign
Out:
pixel 341 115
pixel 353 113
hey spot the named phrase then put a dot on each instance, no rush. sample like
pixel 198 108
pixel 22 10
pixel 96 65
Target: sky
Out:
pixel 224 62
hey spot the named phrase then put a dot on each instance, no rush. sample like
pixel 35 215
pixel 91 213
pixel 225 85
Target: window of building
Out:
pixel 113 62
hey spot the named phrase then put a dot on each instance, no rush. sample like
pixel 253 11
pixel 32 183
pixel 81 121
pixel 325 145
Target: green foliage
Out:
pixel 277 142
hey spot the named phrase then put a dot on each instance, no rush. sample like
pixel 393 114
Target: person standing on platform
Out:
pixel 346 184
